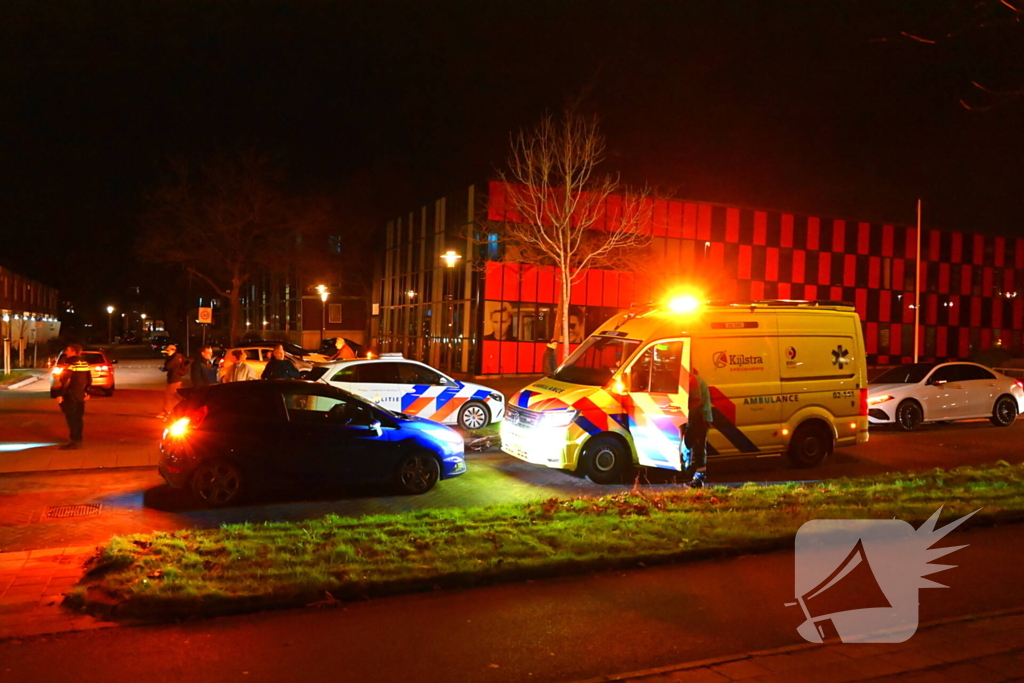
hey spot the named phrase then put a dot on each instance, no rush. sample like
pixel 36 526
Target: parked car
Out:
pixel 414 388
pixel 130 337
pixel 228 440
pixel 101 367
pixel 910 395
pixel 159 342
pixel 257 356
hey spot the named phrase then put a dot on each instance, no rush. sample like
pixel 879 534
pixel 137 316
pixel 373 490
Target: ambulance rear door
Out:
pixel 656 399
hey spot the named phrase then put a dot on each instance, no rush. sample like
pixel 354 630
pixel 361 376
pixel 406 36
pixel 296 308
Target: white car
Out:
pixel 910 395
pixel 410 387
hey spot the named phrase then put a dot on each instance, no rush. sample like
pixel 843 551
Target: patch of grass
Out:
pixel 258 566
pixel 7 378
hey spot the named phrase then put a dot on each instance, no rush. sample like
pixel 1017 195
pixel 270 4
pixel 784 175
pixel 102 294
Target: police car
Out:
pixel 410 387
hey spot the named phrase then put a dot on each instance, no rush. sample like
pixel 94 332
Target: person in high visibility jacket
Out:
pixel 695 440
pixel 72 391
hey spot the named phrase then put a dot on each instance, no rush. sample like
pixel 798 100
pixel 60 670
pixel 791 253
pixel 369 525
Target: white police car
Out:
pixel 410 387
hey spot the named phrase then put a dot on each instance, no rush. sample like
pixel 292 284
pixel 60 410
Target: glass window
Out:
pixel 947 373
pixel 93 358
pixel 596 360
pixel 904 374
pixel 378 373
pixel 343 375
pixel 411 373
pixel 969 372
pixel 657 370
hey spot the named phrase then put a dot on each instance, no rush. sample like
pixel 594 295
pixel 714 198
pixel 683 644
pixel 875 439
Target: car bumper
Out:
pixel 175 466
pixel 879 416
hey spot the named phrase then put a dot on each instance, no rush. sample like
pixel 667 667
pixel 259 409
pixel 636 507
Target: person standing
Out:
pixel 279 367
pixel 236 369
pixel 176 366
pixel 695 440
pixel 203 372
pixel 71 392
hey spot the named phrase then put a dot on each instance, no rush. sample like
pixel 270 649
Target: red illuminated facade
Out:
pixel 491 315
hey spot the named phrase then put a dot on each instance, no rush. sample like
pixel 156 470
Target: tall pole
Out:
pixel 917 286
pixel 110 324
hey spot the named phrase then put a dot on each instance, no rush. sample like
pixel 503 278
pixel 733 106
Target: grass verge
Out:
pixel 8 378
pixel 247 567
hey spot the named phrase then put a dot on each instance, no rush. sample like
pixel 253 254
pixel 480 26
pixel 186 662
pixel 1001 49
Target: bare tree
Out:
pixel 560 212
pixel 224 221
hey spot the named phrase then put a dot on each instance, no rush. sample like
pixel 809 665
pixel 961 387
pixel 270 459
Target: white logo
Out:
pixel 857 579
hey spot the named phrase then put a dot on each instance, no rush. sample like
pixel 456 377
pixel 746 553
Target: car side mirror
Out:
pixel 113 361
pixel 936 382
pixel 374 427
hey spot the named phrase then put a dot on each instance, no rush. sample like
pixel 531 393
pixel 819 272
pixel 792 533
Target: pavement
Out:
pixel 980 648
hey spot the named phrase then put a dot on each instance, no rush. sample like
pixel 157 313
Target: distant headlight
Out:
pixel 557 418
pixel 495 396
pixel 878 399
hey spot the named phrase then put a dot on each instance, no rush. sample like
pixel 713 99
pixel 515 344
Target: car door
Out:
pixel 981 387
pixel 337 437
pixel 379 383
pixel 656 402
pixel 943 394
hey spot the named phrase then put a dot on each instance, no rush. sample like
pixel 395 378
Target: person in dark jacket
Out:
pixel 695 439
pixel 280 367
pixel 71 392
pixel 176 366
pixel 203 371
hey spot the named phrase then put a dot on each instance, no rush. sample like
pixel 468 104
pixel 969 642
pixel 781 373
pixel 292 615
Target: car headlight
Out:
pixel 495 396
pixel 450 436
pixel 874 401
pixel 557 418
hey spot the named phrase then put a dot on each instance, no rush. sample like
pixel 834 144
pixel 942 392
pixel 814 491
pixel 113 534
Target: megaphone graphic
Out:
pixel 851 586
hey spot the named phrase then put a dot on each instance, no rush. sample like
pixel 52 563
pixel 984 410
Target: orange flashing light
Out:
pixel 683 304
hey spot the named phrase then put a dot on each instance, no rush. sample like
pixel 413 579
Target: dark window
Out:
pixel 947 373
pixel 378 373
pixel 657 370
pixel 410 373
pixel 904 374
pixel 969 372
pixel 343 375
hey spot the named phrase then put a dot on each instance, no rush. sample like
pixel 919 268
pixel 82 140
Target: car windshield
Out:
pixel 316 373
pixel 596 360
pixel 93 358
pixel 905 374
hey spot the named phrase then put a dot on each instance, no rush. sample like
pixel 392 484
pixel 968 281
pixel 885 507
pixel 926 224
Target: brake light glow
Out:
pixel 179 428
pixel 1020 383
pixel 57 370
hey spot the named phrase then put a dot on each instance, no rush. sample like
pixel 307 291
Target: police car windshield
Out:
pixel 904 374
pixel 596 360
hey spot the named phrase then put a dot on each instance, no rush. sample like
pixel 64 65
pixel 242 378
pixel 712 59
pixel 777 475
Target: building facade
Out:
pixel 489 314
pixel 28 315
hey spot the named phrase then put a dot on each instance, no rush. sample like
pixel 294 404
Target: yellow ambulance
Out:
pixel 786 377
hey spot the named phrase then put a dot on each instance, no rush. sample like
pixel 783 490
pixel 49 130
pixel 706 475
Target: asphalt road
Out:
pixel 565 629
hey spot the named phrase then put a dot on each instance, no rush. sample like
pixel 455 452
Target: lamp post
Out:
pixel 322 289
pixel 142 316
pixel 450 258
pixel 110 324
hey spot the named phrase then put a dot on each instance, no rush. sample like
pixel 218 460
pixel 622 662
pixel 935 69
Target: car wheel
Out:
pixel 810 445
pixel 909 416
pixel 1004 412
pixel 108 392
pixel 606 460
pixel 417 472
pixel 217 482
pixel 474 415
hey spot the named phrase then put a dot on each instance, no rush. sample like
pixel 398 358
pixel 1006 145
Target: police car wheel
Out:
pixel 810 445
pixel 606 461
pixel 417 472
pixel 474 415
pixel 909 416
pixel 1004 412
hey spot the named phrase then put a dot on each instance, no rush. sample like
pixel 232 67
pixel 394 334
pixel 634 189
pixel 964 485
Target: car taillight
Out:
pixel 179 427
pixel 864 402
pixel 1020 383
pixel 57 370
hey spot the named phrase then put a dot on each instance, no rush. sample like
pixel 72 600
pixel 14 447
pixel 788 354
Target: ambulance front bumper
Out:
pixel 537 446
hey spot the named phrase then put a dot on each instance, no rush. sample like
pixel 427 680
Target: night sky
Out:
pixel 817 107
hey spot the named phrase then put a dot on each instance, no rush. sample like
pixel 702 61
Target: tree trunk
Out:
pixel 233 297
pixel 563 310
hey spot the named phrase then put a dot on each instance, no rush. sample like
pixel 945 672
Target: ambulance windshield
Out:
pixel 596 360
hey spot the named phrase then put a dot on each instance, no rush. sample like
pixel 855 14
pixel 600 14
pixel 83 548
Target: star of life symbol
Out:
pixel 857 579
pixel 839 356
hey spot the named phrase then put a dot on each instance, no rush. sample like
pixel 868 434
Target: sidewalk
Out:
pixel 32 588
pixel 46 456
pixel 992 649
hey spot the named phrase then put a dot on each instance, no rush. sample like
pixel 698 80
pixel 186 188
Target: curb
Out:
pixel 785 649
pixel 21 383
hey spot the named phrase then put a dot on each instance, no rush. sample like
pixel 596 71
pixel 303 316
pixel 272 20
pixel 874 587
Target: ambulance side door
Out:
pixel 656 400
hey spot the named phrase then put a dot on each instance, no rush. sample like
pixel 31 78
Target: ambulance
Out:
pixel 786 378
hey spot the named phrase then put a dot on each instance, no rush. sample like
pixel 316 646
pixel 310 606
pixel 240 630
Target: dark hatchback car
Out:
pixel 226 441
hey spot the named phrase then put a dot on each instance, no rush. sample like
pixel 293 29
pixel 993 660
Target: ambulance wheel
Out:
pixel 810 445
pixel 607 460
pixel 909 416
pixel 474 415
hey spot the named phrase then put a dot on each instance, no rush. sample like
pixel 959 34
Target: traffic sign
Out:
pixel 205 316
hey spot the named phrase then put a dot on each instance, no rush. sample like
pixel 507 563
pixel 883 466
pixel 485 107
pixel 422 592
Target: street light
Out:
pixel 450 258
pixel 323 309
pixel 110 324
